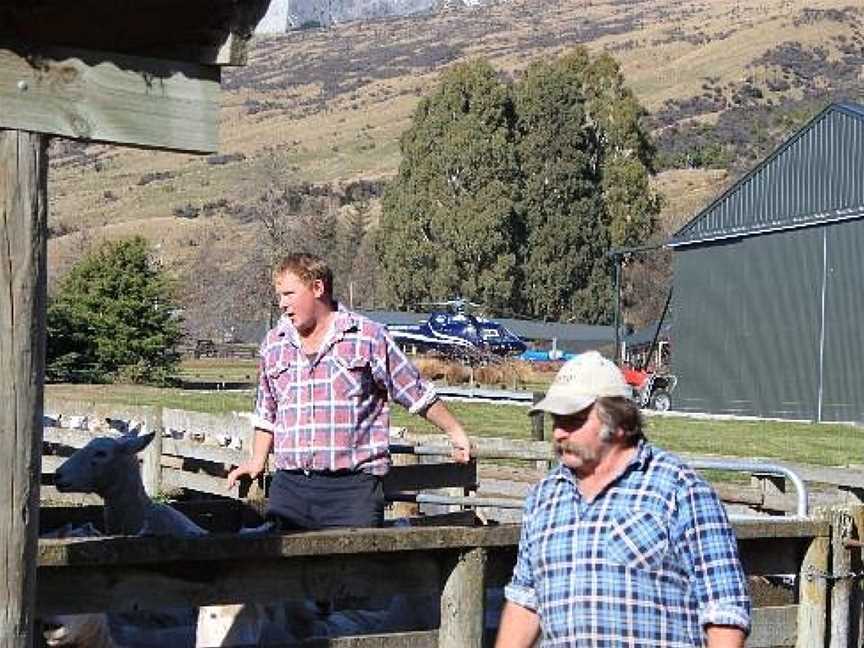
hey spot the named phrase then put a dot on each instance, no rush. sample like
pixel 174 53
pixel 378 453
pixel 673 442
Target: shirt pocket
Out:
pixel 281 378
pixel 638 539
pixel 351 377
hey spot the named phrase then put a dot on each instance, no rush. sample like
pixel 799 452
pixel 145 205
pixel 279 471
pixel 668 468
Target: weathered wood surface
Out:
pixel 23 245
pixel 99 96
pixel 463 602
pixel 813 620
pixel 774 627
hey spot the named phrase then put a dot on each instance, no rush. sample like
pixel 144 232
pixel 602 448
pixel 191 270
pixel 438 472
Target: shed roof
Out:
pixel 813 177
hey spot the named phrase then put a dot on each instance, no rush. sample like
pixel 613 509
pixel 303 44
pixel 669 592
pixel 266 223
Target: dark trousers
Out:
pixel 325 500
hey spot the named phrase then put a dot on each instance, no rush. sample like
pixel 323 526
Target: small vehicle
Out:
pixel 459 334
pixel 650 389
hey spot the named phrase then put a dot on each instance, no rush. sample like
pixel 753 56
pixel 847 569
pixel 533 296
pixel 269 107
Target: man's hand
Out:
pixel 461 452
pixel 252 468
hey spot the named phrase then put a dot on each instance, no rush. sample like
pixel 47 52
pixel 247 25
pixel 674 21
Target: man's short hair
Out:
pixel 308 268
pixel 623 414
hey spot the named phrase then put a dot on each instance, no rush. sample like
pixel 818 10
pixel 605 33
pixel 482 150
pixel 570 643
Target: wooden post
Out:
pixel 151 464
pixel 538 433
pixel 813 592
pixel 856 620
pixel 841 590
pixel 463 602
pixel 23 244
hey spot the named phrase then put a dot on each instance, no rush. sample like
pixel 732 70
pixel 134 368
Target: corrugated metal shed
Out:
pixel 768 278
pixel 814 177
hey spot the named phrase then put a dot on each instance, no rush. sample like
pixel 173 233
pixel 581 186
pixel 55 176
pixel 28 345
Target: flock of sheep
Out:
pixel 108 466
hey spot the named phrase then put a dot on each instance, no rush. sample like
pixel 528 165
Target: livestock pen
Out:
pixel 804 575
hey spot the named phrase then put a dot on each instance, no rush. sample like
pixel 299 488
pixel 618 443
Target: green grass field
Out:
pixel 823 444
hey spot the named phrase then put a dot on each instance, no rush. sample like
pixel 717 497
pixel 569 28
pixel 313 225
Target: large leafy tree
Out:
pixel 113 315
pixel 449 225
pixel 513 196
pixel 563 254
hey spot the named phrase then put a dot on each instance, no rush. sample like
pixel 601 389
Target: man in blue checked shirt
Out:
pixel 622 544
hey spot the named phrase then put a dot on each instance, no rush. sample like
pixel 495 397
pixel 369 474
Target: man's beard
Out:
pixel 576 451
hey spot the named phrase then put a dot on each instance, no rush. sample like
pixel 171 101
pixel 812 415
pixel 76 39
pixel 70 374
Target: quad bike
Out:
pixel 651 389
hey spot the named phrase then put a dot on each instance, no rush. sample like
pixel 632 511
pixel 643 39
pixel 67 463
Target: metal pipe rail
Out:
pixel 752 467
pixel 759 468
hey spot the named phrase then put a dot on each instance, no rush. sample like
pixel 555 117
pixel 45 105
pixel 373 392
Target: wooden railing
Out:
pixel 456 565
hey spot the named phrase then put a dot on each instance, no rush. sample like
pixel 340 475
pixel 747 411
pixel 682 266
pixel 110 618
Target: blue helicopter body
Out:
pixel 459 334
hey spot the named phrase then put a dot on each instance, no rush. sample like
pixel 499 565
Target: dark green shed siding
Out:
pixel 768 283
pixel 843 382
pixel 746 325
pixel 750 335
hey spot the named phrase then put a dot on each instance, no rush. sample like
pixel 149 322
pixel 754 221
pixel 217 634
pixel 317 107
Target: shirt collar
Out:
pixel 344 321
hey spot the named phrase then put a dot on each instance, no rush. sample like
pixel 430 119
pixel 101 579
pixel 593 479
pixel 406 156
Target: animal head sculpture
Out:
pixel 100 464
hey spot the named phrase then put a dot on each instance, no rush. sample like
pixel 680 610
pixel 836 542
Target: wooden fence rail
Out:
pixel 457 565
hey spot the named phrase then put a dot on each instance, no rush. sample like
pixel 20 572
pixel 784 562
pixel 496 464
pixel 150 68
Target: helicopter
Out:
pixel 457 333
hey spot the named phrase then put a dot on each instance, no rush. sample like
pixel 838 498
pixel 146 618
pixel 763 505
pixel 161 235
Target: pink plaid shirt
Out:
pixel 333 413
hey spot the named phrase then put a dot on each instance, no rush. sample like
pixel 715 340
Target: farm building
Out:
pixel 768 283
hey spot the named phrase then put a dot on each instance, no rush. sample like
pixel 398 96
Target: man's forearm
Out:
pixel 724 636
pixel 440 417
pixel 519 627
pixel 261 444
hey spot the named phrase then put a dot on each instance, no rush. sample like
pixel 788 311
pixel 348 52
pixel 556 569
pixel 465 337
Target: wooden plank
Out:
pixel 774 627
pixel 813 604
pixel 417 639
pixel 423 476
pixel 23 289
pixel 841 589
pixel 100 96
pixel 172 479
pixel 151 457
pixel 149 550
pixel 463 602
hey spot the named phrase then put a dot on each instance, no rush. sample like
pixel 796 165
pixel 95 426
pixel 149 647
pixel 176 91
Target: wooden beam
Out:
pixel 23 245
pixel 106 97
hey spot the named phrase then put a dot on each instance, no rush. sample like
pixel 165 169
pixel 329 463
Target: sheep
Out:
pixel 79 422
pixel 108 467
pixel 81 630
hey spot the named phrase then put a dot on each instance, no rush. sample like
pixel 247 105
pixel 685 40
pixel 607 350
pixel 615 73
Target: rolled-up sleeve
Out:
pixel 520 590
pixel 264 417
pixel 710 552
pixel 395 373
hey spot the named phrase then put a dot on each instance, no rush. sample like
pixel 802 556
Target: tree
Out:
pixel 113 316
pixel 513 196
pixel 566 238
pixel 448 225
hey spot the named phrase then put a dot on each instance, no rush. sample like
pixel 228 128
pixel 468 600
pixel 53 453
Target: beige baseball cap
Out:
pixel 580 382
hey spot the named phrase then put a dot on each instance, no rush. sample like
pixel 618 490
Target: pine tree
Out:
pixel 449 225
pixel 113 314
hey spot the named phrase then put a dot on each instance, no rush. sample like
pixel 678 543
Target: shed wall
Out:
pixel 753 335
pixel 747 326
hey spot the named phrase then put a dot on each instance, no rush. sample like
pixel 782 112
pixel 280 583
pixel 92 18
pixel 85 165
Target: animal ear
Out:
pixel 130 444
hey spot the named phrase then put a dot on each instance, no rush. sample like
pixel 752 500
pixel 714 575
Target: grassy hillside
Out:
pixel 724 81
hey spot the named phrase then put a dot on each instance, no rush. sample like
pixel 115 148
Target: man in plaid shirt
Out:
pixel 326 378
pixel 622 544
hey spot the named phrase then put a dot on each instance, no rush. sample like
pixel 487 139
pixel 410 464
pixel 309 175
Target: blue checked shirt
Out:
pixel 646 564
